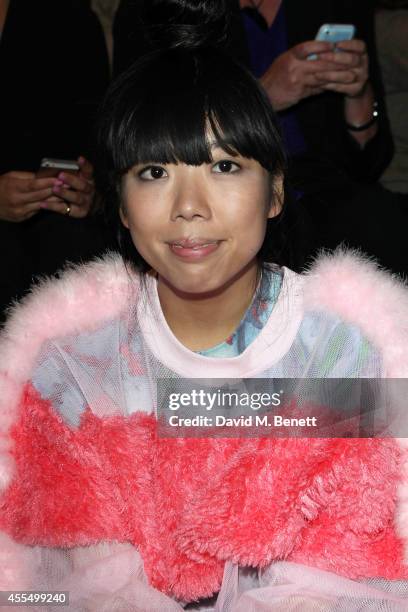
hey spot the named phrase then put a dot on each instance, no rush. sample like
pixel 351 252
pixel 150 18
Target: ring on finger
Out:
pixel 68 210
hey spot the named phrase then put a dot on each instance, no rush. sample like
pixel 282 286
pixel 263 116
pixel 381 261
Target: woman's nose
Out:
pixel 190 201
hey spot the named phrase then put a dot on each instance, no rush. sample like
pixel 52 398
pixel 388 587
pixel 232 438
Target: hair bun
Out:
pixel 187 24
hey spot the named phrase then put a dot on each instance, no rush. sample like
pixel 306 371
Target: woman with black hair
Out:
pixel 125 479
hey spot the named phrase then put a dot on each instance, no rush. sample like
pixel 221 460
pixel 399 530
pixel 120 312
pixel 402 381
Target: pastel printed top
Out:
pixel 254 319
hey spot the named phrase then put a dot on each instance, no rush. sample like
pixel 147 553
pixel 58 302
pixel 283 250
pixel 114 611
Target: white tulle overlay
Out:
pixel 110 578
pixel 114 369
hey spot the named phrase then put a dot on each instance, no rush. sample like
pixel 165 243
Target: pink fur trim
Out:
pixel 358 291
pixel 82 299
pixel 353 287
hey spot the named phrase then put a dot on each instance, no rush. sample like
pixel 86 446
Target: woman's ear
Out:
pixel 123 217
pixel 120 198
pixel 277 197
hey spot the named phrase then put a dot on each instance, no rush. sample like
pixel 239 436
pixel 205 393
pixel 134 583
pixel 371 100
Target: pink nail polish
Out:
pixel 57 188
pixel 43 205
pixel 58 183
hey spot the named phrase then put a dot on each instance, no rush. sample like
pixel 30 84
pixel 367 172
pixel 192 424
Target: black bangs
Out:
pixel 171 107
pixel 164 120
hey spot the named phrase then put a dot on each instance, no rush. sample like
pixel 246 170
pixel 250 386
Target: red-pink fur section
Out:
pixel 101 482
pixel 189 504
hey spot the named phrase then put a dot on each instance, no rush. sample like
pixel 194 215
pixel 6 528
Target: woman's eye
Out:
pixel 152 173
pixel 226 167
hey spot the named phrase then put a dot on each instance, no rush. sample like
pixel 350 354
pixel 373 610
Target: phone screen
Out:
pixel 334 33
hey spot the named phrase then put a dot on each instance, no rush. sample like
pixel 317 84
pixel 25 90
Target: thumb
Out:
pixel 303 50
pixel 85 167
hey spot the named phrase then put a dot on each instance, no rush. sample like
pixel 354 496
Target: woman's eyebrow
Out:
pixel 216 145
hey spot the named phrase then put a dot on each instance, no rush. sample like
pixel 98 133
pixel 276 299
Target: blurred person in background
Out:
pixel 323 104
pixel 334 120
pixel 54 70
pixel 331 111
pixel 391 23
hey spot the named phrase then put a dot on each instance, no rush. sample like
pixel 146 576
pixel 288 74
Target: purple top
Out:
pixel 265 45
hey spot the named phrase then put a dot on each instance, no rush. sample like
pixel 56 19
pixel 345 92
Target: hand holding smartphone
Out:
pixel 73 187
pixel 334 33
pixel 51 167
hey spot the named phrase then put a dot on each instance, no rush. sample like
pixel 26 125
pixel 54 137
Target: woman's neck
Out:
pixel 203 321
pixel 268 8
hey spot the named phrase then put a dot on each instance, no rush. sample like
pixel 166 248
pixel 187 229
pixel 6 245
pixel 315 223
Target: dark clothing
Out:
pixel 341 198
pixel 54 70
pixel 265 45
pixel 334 153
pixel 334 180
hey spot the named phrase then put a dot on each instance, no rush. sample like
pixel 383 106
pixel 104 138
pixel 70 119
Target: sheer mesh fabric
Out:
pixel 114 371
pixel 291 587
pixel 110 577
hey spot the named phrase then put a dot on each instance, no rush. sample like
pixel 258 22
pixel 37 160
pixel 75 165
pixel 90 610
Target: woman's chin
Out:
pixel 194 290
pixel 206 286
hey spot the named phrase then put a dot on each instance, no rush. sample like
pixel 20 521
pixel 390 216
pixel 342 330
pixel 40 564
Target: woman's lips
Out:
pixel 193 250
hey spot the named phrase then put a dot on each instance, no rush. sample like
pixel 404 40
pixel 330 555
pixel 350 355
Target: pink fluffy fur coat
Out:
pixel 190 504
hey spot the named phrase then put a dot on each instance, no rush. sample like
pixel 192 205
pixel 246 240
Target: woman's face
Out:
pixel 201 226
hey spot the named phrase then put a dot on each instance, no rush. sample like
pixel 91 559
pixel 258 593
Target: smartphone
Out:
pixel 50 167
pixel 334 33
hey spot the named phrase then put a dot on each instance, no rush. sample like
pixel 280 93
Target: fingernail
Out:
pixel 62 176
pixel 57 188
pixel 43 205
pixel 81 160
pixel 58 183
